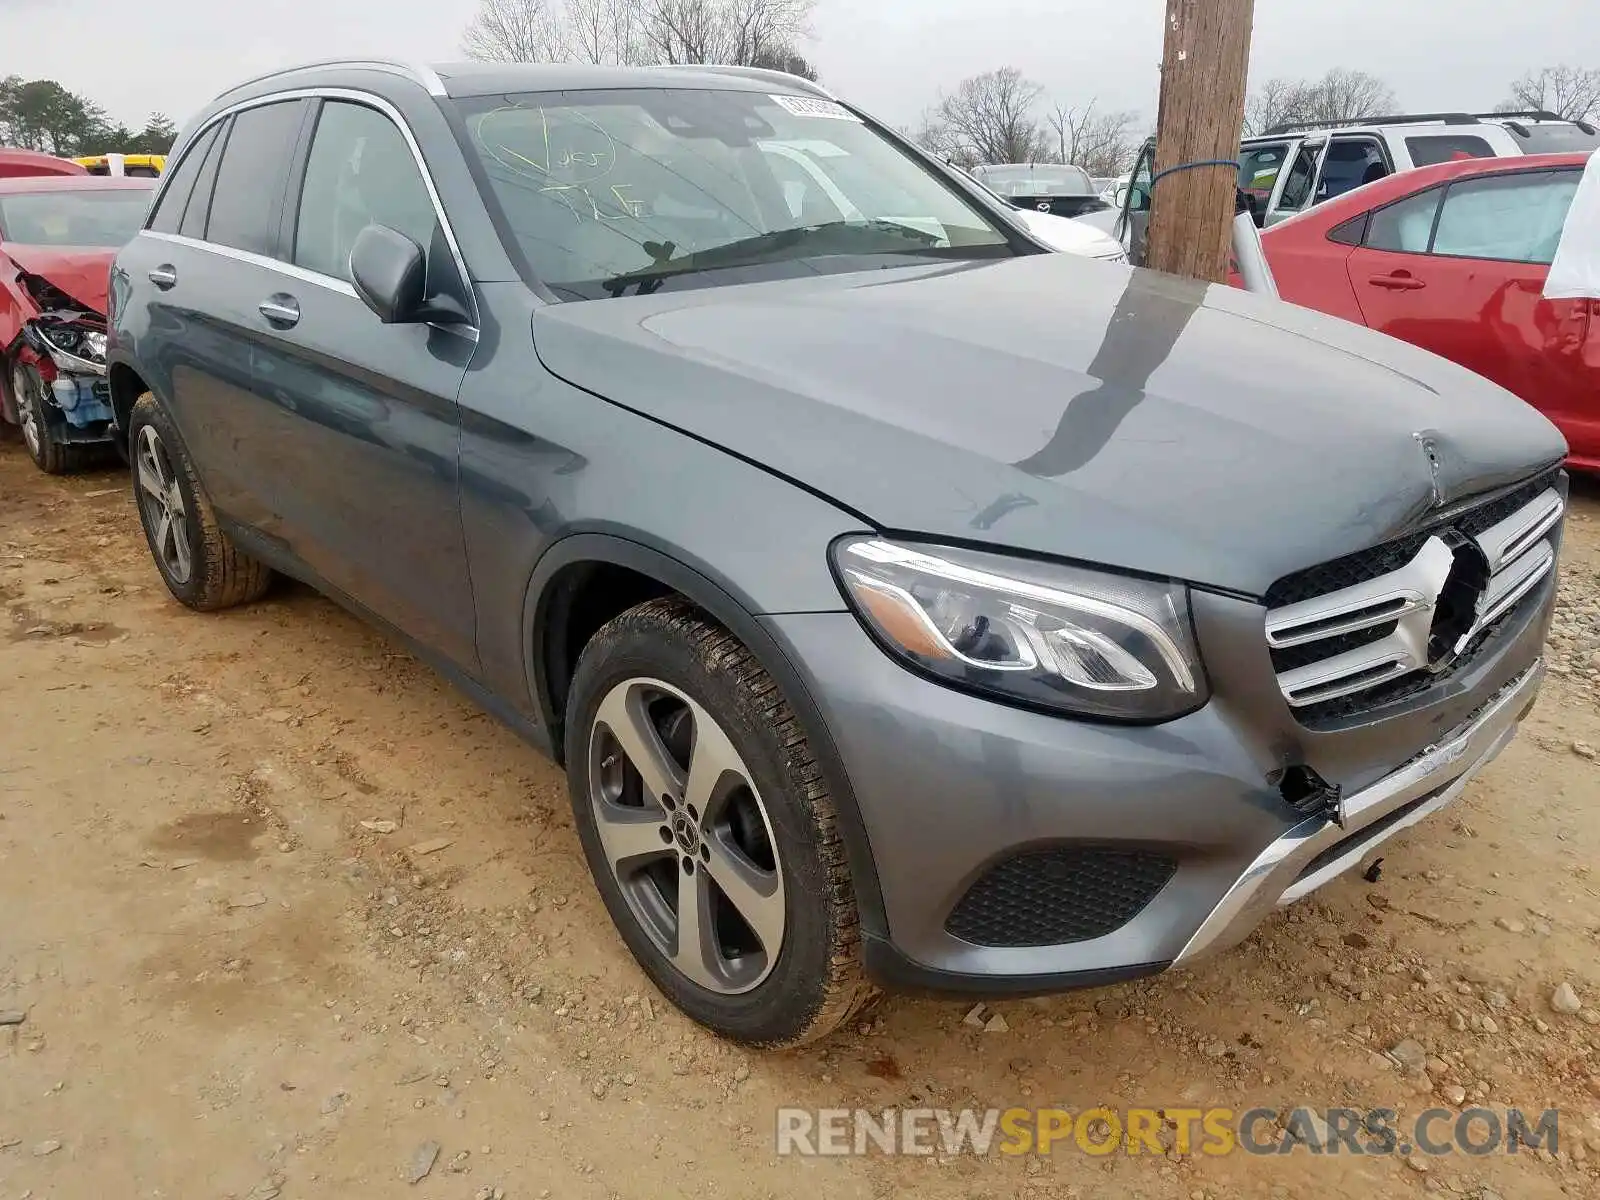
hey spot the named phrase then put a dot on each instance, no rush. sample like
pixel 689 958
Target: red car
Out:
pixel 32 162
pixel 1453 258
pixel 58 235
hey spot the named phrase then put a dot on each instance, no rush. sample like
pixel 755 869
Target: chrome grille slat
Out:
pixel 1396 595
pixel 1506 541
pixel 1422 599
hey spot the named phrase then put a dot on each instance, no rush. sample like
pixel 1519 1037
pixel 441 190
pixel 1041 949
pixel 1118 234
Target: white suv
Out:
pixel 1292 167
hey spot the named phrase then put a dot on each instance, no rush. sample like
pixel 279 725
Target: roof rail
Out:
pixel 416 72
pixel 1517 121
pixel 1452 118
pixel 1532 114
pixel 766 73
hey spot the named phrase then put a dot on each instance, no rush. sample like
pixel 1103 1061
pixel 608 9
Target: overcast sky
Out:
pixel 890 56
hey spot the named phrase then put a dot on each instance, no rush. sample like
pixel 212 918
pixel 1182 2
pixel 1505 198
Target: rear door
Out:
pixel 207 253
pixel 1460 270
pixel 362 416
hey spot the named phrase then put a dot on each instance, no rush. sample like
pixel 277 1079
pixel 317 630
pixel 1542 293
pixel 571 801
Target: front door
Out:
pixel 368 460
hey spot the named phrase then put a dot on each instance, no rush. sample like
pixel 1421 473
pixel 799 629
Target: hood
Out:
pixel 1063 407
pixel 1068 236
pixel 83 274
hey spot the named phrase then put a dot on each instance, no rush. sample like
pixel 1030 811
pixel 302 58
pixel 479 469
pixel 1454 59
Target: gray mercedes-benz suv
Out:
pixel 906 604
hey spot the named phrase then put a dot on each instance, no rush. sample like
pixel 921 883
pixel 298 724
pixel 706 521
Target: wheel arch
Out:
pixel 585 580
pixel 127 385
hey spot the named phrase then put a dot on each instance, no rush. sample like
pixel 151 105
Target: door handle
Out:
pixel 164 276
pixel 1398 282
pixel 281 310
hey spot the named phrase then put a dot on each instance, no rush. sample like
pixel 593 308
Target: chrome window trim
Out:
pixel 328 93
pixel 331 282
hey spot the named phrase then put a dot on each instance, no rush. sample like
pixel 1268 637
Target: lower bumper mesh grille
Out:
pixel 1060 895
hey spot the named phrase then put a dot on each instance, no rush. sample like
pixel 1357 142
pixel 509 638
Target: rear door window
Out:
pixel 1405 227
pixel 199 207
pixel 169 213
pixel 1431 149
pixel 1509 218
pixel 250 181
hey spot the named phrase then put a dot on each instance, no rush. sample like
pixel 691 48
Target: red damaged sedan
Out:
pixel 1453 258
pixel 58 235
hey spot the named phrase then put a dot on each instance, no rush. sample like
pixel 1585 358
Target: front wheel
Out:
pixel 198 561
pixel 709 830
pixel 49 453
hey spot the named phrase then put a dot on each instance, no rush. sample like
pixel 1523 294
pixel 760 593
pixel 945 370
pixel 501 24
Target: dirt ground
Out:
pixel 236 981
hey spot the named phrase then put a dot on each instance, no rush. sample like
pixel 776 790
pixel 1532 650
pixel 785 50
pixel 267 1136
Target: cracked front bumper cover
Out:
pixel 1318 850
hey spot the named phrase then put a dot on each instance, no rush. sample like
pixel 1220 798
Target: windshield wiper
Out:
pixel 751 251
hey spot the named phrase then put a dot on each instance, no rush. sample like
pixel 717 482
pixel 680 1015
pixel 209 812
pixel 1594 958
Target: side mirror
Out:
pixel 390 274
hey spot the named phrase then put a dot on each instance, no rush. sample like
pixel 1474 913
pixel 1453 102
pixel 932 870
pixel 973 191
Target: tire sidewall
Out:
pixel 781 1008
pixel 47 454
pixel 148 411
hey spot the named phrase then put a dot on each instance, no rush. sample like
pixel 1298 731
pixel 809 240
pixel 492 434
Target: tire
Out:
pixel 673 682
pixel 50 455
pixel 203 570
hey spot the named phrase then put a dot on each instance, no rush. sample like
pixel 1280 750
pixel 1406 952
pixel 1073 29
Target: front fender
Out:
pixel 737 616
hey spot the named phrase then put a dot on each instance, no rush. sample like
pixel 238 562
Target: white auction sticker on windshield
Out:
pixel 812 106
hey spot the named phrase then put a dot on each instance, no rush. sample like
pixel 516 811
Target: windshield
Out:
pixel 615 190
pixel 76 218
pixel 1036 180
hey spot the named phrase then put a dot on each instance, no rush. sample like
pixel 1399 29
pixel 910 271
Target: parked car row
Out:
pixel 899 596
pixel 1294 167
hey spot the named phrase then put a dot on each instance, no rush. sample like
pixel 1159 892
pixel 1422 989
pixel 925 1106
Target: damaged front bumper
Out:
pixel 68 352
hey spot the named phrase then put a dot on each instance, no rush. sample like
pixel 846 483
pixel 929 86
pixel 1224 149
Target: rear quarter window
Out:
pixel 1429 150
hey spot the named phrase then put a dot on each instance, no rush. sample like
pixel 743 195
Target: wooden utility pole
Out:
pixel 1201 116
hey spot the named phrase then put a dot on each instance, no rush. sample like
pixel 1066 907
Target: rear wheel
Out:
pixel 198 562
pixel 49 453
pixel 709 830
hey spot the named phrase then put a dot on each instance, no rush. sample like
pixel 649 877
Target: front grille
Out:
pixel 1380 626
pixel 1058 896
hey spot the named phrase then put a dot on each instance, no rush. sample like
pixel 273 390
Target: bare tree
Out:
pixel 1102 143
pixel 1570 92
pixel 604 32
pixel 936 136
pixel 990 118
pixel 630 32
pixel 1274 103
pixel 1340 96
pixel 514 31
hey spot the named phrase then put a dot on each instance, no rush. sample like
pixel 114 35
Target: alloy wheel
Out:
pixel 24 388
pixel 686 835
pixel 167 517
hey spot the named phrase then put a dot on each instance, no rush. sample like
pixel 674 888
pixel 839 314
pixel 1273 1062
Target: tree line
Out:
pixel 41 114
pixel 1003 117
pixel 752 33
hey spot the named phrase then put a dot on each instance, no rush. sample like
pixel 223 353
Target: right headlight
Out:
pixel 1064 638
